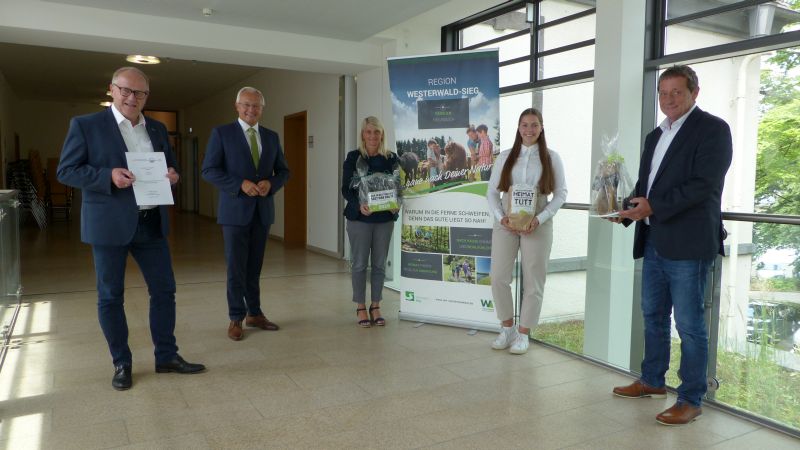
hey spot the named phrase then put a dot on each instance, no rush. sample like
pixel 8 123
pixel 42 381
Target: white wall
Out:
pixel 286 92
pixel 46 124
pixel 318 94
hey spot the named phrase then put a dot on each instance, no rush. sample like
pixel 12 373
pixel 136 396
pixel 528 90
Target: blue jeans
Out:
pixel 677 285
pixel 151 253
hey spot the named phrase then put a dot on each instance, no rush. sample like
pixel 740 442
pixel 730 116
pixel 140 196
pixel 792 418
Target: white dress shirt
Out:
pixel 668 132
pixel 527 169
pixel 135 136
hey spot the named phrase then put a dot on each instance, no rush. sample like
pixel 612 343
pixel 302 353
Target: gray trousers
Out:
pixel 535 249
pixel 368 241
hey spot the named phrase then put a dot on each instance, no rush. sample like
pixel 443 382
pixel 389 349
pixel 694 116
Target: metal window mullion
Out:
pixel 510 62
pixel 566 48
pixel 562 80
pixel 450 39
pixel 657 10
pixel 533 75
pixel 495 40
pixel 550 52
pixel 655 35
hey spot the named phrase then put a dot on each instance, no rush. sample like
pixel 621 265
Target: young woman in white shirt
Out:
pixel 529 166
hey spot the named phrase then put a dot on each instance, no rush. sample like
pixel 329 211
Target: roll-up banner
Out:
pixel 446 123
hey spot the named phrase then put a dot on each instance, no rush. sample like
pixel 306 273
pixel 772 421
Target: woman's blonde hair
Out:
pixel 362 146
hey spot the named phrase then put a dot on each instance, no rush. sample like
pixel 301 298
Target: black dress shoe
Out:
pixel 122 378
pixel 177 364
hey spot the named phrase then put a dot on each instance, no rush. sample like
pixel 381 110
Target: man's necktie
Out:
pixel 251 134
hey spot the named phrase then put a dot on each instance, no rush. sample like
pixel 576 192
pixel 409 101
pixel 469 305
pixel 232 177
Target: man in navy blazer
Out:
pixel 245 162
pixel 93 160
pixel 677 209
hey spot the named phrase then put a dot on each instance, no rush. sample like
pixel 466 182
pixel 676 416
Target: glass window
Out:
pixel 732 26
pixel 680 8
pixel 550 10
pixel 566 63
pixel 578 30
pixel 511 47
pixel 562 108
pixel 561 321
pixel 493 28
pixel 757 356
pixel 754 354
pixel 510 108
pixel 515 74
pixel 756 89
pixel 516 47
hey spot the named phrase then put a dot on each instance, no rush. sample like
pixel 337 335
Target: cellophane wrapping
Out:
pixel 381 191
pixel 611 183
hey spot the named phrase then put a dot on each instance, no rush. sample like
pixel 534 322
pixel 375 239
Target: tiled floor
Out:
pixel 319 382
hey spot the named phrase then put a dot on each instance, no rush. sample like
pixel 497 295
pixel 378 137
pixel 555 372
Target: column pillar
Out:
pixel 612 291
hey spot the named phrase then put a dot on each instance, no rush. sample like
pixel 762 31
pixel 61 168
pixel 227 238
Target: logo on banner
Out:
pixel 487 305
pixel 443 113
pixel 409 296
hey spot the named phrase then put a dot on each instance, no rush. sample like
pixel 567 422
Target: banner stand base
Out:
pixel 448 321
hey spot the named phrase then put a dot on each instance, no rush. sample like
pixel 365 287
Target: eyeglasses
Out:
pixel 250 105
pixel 128 91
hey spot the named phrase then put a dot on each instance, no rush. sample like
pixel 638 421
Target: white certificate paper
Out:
pixel 152 185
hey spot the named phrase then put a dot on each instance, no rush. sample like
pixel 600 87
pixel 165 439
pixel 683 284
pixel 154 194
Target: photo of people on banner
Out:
pixel 442 162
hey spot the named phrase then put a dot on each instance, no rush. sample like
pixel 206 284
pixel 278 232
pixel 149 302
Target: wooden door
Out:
pixel 295 201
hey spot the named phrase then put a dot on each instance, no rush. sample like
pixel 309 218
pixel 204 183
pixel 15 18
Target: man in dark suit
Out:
pixel 93 160
pixel 677 209
pixel 245 162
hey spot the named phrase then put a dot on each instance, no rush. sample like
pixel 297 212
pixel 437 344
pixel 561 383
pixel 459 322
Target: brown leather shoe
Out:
pixel 260 321
pixel 235 331
pixel 637 389
pixel 680 413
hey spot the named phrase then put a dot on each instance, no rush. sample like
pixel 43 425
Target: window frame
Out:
pixel 451 42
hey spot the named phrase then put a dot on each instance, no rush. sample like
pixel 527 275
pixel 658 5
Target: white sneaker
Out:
pixel 520 345
pixel 505 338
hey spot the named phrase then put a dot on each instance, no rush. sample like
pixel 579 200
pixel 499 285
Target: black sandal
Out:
pixel 366 323
pixel 379 321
